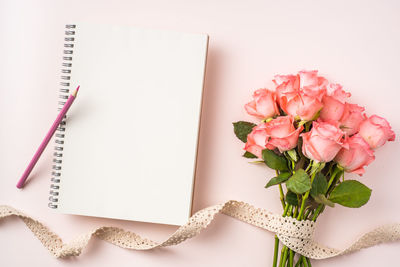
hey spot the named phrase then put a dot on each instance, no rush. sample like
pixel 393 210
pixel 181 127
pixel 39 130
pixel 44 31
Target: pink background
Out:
pixel 355 43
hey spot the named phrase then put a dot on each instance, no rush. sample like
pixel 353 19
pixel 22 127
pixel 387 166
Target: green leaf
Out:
pixel 283 176
pixel 242 129
pixel 249 155
pixel 323 200
pixel 291 198
pixel 350 193
pixel 274 161
pixel 299 183
pixel 319 185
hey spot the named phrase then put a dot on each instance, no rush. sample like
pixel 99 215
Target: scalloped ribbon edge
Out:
pixel 297 235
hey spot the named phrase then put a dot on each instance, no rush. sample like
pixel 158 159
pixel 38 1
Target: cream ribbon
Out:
pixel 297 235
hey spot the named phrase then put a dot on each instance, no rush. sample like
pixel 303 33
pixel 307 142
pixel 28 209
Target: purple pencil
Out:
pixel 46 140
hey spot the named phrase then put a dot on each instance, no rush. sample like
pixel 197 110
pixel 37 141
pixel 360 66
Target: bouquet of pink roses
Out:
pixel 310 136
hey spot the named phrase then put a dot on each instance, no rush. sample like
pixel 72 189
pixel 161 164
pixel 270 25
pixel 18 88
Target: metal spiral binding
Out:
pixel 64 94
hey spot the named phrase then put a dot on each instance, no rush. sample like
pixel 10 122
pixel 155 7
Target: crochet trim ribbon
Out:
pixel 297 235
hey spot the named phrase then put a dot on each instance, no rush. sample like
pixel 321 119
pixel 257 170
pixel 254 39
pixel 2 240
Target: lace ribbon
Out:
pixel 297 235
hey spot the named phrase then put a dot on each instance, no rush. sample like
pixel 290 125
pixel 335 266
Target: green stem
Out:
pixel 307 213
pixel 295 212
pixel 291 258
pixel 291 211
pixel 284 257
pixel 317 211
pixel 281 258
pixel 309 165
pixel 335 172
pixel 282 196
pixel 288 262
pixel 303 203
pixel 284 249
pixel 285 210
pixel 300 261
pixel 305 261
pixel 276 248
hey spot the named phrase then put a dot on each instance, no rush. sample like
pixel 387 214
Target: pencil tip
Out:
pixel 76 91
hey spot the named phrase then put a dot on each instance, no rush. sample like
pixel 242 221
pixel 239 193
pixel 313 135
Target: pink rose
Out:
pixel 376 131
pixel 282 133
pixel 279 79
pixel 257 140
pixel 301 95
pixel 301 106
pixel 306 81
pixel 312 84
pixel 264 104
pixel 356 156
pixel 286 86
pixel 334 103
pixel 278 133
pixel 352 118
pixel 323 142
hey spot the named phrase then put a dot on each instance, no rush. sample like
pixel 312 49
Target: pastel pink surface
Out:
pixel 353 43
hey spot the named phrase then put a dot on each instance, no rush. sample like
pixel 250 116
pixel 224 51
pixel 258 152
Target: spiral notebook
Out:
pixel 127 149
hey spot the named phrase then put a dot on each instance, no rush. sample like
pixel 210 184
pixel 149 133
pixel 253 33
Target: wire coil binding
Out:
pixel 64 94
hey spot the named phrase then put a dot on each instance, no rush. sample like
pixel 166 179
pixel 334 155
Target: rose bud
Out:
pixel 264 104
pixel 257 140
pixel 323 142
pixel 352 118
pixel 334 103
pixel 358 155
pixel 376 131
pixel 282 133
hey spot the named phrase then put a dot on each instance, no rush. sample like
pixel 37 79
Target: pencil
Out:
pixel 47 138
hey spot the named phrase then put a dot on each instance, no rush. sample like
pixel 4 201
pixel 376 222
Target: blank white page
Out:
pixel 131 135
